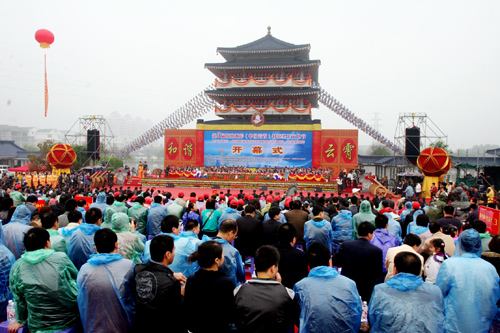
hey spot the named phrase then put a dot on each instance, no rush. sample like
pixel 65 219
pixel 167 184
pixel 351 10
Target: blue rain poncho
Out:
pixel 393 227
pixel 130 244
pixel 233 264
pixel 470 287
pixel 365 215
pixel 146 255
pixel 329 302
pixel 406 304
pixel 185 245
pixel 319 231
pixel 13 232
pixel 140 214
pixel 413 228
pixel 100 202
pixel 342 228
pixel 43 283
pixel 105 296
pixel 156 214
pixel 7 259
pixel 80 244
pixel 407 210
pixel 229 214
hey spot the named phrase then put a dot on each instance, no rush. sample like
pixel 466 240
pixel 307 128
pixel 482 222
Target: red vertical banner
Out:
pixel 200 145
pixel 339 149
pixel 182 148
pixel 316 149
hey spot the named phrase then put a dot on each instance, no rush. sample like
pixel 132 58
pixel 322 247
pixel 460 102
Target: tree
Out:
pixel 379 150
pixel 38 161
pixel 441 144
pixel 114 162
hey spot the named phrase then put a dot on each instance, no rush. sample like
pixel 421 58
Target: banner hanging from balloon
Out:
pixel 45 38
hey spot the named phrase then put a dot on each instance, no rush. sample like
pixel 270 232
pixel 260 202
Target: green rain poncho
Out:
pixel 116 207
pixel 140 214
pixel 43 283
pixel 130 245
pixel 365 215
pixel 57 241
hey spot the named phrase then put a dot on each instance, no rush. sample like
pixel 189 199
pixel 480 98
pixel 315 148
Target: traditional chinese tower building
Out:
pixel 268 79
pixel 264 94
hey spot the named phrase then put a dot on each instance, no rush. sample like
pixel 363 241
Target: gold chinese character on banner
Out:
pixel 236 150
pixel 330 151
pixel 348 149
pixel 188 149
pixel 277 151
pixel 172 149
pixel 257 150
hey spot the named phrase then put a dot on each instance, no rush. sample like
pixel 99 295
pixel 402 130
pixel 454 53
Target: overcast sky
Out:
pixel 146 58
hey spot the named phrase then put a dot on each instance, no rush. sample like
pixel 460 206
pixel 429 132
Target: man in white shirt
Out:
pixel 411 244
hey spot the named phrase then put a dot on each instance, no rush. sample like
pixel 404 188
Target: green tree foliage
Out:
pixel 378 150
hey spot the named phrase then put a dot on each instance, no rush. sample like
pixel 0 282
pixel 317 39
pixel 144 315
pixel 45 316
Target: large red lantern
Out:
pixel 44 37
pixel 61 156
pixel 434 161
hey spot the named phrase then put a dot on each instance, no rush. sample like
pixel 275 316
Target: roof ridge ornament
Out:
pixel 269 30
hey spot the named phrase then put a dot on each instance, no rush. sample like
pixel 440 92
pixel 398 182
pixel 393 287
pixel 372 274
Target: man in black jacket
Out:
pixel 361 261
pixel 293 262
pixel 249 233
pixel 158 293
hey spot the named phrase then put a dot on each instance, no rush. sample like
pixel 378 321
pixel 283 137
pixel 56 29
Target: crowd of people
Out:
pixel 143 259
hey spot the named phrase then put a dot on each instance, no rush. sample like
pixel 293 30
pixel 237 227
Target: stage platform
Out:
pixel 234 183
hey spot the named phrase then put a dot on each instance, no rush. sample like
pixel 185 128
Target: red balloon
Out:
pixel 434 161
pixel 61 156
pixel 44 37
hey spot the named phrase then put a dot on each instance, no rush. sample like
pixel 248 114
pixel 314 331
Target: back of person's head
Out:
pixel 110 199
pixel 63 198
pixel 169 223
pixel 422 220
pixel 295 204
pixel 206 254
pixel 74 216
pixel 365 228
pixel 434 227
pixel 105 240
pixel 317 209
pixel 438 244
pixel 273 212
pixel 93 215
pixel 160 245
pixel 266 257
pixel 469 241
pixel 480 226
pixel 140 199
pixel 190 225
pixel 381 221
pixel 354 200
pixel 36 239
pixel 81 203
pixel 249 209
pixel 318 255
pixel 407 262
pixel 70 205
pixel 32 198
pixel 48 220
pixel 392 204
pixel 494 244
pixel 385 203
pixel 157 199
pixel 412 240
pixel 210 204
pixel 286 233
pixel 228 225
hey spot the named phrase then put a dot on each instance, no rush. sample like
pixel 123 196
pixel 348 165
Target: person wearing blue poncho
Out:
pixel 233 264
pixel 7 259
pixel 156 214
pixel 342 227
pixel 318 229
pixel 328 300
pixel 100 202
pixel 169 226
pixel 14 231
pixel 105 292
pixel 80 244
pixel 405 303
pixel 470 287
pixel 185 245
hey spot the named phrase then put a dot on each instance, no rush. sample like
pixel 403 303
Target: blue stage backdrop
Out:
pixel 258 149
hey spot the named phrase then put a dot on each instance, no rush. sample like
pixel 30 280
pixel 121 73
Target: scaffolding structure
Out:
pixel 430 133
pixel 77 136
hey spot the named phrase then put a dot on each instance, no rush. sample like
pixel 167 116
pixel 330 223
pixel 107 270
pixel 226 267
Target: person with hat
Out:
pixel 230 213
pixel 470 287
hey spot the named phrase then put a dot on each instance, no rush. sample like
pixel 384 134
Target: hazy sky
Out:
pixel 146 57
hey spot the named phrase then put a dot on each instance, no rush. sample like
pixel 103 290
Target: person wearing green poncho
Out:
pixel 365 215
pixel 117 207
pixel 51 224
pixel 43 283
pixel 140 214
pixel 130 245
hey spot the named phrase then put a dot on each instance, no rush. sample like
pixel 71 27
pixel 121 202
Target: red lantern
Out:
pixel 61 156
pixel 44 37
pixel 434 161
